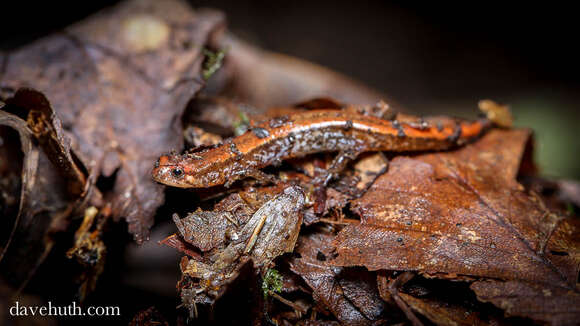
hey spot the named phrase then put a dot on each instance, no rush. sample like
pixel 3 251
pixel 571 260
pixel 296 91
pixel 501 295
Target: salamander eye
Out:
pixel 177 172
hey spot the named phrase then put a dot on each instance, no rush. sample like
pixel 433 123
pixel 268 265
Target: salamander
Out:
pixel 295 135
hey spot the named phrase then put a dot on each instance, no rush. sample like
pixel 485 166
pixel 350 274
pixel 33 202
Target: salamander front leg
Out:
pixel 260 176
pixel 320 182
pixel 337 166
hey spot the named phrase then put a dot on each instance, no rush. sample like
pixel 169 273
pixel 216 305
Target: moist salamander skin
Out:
pixel 309 132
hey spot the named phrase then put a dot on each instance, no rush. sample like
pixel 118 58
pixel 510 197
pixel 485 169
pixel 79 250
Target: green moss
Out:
pixel 272 282
pixel 213 62
pixel 242 125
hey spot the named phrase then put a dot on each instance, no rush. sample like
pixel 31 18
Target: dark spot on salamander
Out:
pixel 456 134
pixel 291 137
pixel 235 150
pixel 260 132
pixel 400 130
pixel 320 256
pixel 423 125
pixel 279 121
pixel 348 125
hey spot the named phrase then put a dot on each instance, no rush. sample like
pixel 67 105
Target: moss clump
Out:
pixel 272 282
pixel 213 61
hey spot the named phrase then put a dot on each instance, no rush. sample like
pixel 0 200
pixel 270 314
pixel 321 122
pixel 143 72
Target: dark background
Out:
pixel 431 58
pixel 434 58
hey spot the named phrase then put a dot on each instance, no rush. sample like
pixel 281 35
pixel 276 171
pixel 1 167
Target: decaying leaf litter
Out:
pixel 88 111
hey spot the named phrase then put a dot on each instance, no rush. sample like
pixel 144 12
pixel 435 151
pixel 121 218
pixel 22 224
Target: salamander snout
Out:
pixel 169 171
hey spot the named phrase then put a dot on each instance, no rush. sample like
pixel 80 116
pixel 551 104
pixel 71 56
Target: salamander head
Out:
pixel 173 170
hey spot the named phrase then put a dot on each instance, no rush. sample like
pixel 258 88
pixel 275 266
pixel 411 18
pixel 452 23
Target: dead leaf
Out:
pixel 251 74
pixel 149 317
pixel 44 206
pixel 313 267
pixel 455 212
pixel 542 302
pixel 120 91
pixel 47 129
pixel 442 313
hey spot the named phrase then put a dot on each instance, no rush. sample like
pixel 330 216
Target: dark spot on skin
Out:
pixel 260 132
pixel 320 256
pixel 399 239
pixel 177 172
pixel 409 223
pixel 291 137
pixel 400 131
pixel 458 224
pixel 456 134
pixel 360 251
pixel 279 121
pixel 234 149
pixel 423 124
pixel 348 125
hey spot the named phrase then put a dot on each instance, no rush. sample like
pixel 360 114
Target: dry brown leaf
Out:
pixel 312 266
pixel 441 313
pixel 542 302
pixel 120 91
pixel 44 206
pixel 457 212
